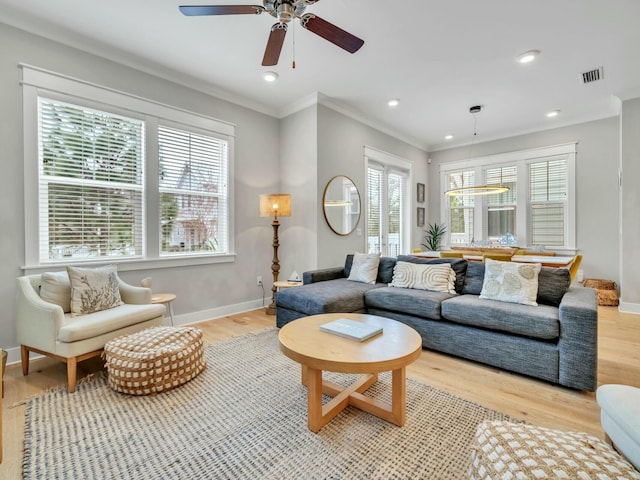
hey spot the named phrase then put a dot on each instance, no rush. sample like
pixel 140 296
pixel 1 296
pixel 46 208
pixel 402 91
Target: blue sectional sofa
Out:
pixel 555 341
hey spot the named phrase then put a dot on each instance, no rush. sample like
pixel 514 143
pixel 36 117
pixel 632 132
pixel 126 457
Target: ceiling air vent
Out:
pixel 592 75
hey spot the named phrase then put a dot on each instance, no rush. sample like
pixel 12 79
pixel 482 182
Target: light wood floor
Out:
pixel 534 401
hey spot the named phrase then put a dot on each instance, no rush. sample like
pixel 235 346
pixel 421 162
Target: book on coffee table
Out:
pixel 351 329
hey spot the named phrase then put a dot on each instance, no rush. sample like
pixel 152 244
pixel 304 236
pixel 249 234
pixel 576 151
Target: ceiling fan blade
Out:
pixel 330 32
pixel 274 44
pixel 197 10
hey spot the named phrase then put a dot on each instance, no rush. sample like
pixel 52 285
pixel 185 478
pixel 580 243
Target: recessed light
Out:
pixel 553 113
pixel 394 102
pixel 529 56
pixel 448 137
pixel 270 76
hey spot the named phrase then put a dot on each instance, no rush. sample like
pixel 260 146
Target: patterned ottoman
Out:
pixel 505 451
pixel 154 360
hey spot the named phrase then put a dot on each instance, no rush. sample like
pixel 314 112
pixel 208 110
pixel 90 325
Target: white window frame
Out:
pixel 521 159
pixel 39 82
pixel 389 163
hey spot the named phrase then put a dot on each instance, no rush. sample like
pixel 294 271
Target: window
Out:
pixel 120 178
pixel 387 211
pixel 91 183
pixel 193 192
pixel 539 208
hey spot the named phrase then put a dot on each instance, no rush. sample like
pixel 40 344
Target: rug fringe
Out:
pixel 57 388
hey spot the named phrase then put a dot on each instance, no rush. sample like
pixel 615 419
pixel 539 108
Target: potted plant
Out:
pixel 434 233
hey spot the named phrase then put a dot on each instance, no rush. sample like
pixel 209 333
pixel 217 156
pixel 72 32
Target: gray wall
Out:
pixel 341 142
pixel 597 208
pixel 206 288
pixel 630 201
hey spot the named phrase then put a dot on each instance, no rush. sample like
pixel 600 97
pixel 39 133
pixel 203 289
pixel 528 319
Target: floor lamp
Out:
pixel 275 205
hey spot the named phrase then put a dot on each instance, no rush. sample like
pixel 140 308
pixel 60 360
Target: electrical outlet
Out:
pixel 259 280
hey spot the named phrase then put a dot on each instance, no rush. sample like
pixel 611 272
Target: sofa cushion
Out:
pixel 537 322
pixel 435 278
pixel 511 282
pixel 385 268
pixel 93 289
pixel 55 288
pixel 364 267
pixel 333 296
pixel 553 283
pixel 421 303
pixel 459 266
pixel 98 323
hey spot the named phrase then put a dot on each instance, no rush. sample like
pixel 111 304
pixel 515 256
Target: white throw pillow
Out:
pixel 437 277
pixel 364 267
pixel 93 289
pixel 55 288
pixel 511 282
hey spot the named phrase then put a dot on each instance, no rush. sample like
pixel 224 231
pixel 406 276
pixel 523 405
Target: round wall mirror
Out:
pixel 341 205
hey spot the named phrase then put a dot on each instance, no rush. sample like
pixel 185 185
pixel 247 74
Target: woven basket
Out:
pixel 606 290
pixel 154 360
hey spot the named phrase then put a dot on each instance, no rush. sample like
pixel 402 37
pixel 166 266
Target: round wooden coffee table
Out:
pixel 398 346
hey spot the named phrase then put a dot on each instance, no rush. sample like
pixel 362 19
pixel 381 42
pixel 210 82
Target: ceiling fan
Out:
pixel 284 11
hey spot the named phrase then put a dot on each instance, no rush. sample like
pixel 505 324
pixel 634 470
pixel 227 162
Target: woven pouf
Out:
pixel 154 360
pixel 508 451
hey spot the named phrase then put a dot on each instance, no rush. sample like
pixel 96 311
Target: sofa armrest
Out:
pixel 37 321
pixel 134 295
pixel 322 275
pixel 578 344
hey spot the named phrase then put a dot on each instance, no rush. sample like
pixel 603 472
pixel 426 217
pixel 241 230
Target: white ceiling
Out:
pixel 438 57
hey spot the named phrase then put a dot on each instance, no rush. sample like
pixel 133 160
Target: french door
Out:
pixel 387 228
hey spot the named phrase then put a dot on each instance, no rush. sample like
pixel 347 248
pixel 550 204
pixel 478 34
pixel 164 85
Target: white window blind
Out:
pixel 374 209
pixel 193 192
pixel 461 208
pixel 396 182
pixel 90 183
pixel 548 202
pixel 501 208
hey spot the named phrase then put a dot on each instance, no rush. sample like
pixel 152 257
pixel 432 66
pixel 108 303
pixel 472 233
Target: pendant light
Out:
pixel 476 189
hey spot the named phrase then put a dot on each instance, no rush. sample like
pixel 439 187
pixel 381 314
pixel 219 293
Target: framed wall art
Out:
pixel 420 194
pixel 420 216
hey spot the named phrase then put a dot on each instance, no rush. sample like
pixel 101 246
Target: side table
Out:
pixel 281 284
pixel 164 299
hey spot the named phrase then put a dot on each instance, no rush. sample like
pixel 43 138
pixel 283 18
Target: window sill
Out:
pixel 137 264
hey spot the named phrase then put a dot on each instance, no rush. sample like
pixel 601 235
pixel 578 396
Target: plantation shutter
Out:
pixel 501 207
pixel 395 201
pixel 90 179
pixel 548 202
pixel 374 208
pixel 193 192
pixel 461 208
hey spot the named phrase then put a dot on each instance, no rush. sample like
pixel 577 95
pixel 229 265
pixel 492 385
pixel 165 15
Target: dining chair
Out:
pixel 574 266
pixel 497 256
pixel 451 255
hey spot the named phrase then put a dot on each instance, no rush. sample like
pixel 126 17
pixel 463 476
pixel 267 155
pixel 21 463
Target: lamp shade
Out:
pixel 275 205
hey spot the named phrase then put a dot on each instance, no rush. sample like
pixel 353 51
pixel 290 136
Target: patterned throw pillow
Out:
pixel 434 277
pixel 93 289
pixel 55 288
pixel 511 282
pixel 364 268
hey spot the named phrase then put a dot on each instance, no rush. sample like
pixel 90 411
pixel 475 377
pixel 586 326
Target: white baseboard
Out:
pixel 628 307
pixel 13 354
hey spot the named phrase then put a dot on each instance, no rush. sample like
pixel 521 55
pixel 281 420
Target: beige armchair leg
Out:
pixel 72 370
pixel 24 357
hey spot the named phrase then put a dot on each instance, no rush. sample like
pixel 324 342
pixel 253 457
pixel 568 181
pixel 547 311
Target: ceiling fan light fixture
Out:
pixel 528 57
pixel 394 102
pixel 270 76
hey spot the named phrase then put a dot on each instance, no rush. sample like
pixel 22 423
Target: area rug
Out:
pixel 244 417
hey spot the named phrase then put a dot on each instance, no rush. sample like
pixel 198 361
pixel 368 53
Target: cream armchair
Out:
pixel 46 328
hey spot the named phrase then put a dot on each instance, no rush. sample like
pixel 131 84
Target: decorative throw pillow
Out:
pixel 511 282
pixel 364 268
pixel 93 289
pixel 434 277
pixel 55 288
